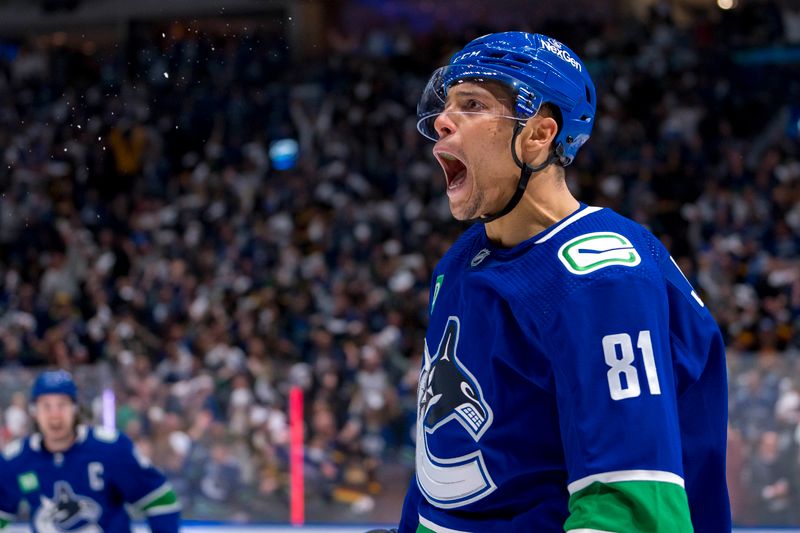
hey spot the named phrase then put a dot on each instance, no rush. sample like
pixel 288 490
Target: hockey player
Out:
pixel 572 379
pixel 78 478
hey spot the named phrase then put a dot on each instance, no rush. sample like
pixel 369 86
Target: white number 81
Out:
pixel 621 363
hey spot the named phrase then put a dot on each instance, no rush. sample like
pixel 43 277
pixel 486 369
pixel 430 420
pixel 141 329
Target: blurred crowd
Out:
pixel 145 227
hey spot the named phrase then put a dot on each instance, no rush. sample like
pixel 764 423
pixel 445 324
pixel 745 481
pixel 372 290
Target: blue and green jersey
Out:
pixel 575 382
pixel 85 488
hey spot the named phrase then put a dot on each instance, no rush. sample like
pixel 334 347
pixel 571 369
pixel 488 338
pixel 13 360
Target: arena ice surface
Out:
pixel 244 528
pixel 319 529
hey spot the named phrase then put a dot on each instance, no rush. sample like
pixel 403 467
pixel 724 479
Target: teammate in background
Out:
pixel 78 478
pixel 572 380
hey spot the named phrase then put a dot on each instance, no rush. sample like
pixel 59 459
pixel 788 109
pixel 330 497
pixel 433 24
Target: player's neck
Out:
pixel 546 201
pixel 58 445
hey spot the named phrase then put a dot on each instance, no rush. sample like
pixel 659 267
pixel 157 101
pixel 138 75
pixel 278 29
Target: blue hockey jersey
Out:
pixel 573 382
pixel 84 489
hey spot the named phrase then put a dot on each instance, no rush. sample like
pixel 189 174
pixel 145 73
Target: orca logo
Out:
pixel 67 512
pixel 448 391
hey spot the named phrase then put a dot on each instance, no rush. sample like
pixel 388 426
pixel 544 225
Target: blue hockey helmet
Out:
pixel 54 382
pixel 538 69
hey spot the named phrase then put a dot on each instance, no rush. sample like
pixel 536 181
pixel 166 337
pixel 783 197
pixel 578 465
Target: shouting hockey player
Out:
pixel 78 478
pixel 572 378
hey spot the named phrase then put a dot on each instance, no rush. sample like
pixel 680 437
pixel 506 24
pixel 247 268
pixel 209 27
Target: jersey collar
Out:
pixel 81 432
pixel 577 215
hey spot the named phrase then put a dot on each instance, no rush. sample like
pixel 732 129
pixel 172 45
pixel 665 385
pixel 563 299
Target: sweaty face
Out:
pixel 55 416
pixel 474 148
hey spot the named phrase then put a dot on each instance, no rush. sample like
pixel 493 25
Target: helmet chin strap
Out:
pixel 525 175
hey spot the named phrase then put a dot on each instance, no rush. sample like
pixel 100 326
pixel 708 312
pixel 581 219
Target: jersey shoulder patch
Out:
pixel 589 252
pixel 106 435
pixel 12 449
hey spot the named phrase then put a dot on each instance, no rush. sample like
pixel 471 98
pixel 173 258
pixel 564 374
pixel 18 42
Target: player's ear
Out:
pixel 537 136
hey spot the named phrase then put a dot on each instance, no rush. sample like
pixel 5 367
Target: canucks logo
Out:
pixel 67 512
pixel 592 251
pixel 449 392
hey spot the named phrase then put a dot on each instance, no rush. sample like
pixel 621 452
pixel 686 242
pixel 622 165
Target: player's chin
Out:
pixel 458 211
pixel 466 209
pixel 462 207
pixel 57 431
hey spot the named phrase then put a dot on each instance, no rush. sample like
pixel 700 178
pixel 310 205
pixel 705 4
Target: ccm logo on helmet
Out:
pixel 467 56
pixel 554 47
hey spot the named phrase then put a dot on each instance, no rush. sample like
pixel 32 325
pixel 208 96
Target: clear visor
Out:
pixel 467 89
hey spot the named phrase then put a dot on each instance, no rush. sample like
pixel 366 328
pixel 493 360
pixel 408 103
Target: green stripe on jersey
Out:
pixel 165 500
pixel 428 526
pixel 651 506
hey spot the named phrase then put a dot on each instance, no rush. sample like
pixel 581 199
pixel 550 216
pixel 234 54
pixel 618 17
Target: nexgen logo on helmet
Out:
pixel 556 48
pixel 536 69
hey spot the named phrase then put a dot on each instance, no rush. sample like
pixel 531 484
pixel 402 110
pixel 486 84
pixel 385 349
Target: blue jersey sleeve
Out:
pixel 8 500
pixel 698 353
pixel 409 519
pixel 10 494
pixel 611 358
pixel 146 488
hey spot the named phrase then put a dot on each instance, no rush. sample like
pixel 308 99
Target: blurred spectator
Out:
pixel 768 477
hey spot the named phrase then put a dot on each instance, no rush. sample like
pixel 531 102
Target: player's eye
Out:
pixel 474 105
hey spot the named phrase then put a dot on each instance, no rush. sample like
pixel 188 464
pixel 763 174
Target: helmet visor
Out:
pixel 470 89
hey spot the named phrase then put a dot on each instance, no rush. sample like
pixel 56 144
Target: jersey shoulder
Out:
pixel 603 244
pixel 99 437
pixel 23 449
pixel 111 447
pixel 594 247
pixel 18 449
pixel 104 435
pixel 463 250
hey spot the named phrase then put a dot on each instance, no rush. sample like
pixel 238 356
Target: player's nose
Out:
pixel 443 124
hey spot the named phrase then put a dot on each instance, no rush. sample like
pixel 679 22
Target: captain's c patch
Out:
pixel 593 251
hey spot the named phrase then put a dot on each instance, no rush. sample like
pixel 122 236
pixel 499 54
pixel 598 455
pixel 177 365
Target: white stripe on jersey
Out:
pixel 626 475
pixel 569 220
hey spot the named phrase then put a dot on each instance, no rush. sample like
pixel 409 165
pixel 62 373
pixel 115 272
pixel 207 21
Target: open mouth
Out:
pixel 454 169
